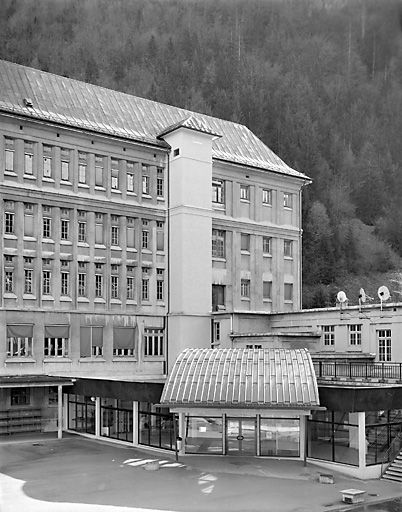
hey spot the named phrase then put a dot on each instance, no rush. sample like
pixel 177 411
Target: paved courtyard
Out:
pixel 77 474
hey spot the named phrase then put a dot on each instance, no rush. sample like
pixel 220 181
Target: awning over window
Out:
pixel 57 331
pixel 90 337
pixel 20 331
pixel 123 337
pixel 269 378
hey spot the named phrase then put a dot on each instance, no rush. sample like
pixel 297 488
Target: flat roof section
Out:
pixel 242 378
pixel 17 381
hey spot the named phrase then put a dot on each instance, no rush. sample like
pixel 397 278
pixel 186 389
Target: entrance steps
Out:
pixel 394 470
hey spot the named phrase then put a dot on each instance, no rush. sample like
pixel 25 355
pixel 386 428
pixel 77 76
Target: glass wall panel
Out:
pixel 156 426
pixel 203 435
pixel 383 435
pixel 280 437
pixel 81 414
pixel 116 420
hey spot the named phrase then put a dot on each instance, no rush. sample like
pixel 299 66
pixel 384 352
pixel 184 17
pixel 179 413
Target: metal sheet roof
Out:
pixel 258 378
pixel 78 104
pixel 7 381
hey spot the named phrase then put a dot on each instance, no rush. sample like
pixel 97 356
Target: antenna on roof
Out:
pixel 383 294
pixel 341 298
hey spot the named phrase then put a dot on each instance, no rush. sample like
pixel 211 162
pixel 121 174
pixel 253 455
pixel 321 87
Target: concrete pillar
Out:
pixel 136 424
pixel 59 411
pixel 182 431
pixel 362 439
pixel 98 418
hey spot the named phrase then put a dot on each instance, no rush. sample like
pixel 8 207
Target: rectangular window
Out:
pixel 245 288
pixel 115 235
pixel 64 283
pixel 28 220
pixel 218 243
pixel 9 281
pixel 145 239
pixel 146 185
pixel 65 164
pixel 218 195
pixel 99 170
pixel 267 245
pixel 98 282
pixel 267 290
pixel 355 334
pixel 145 289
pixel 99 228
pixel 287 200
pixel 46 282
pixel 245 192
pixel 53 395
pixel 114 287
pixel 160 187
pixel 19 340
pixel 82 167
pixel 20 396
pixel 123 341
pixel 82 284
pixel 57 341
pixel 115 173
pixel 64 229
pixel 91 341
pixel 328 332
pixel 130 177
pixel 130 233
pixel 245 242
pixel 9 223
pixel 153 342
pixel 159 284
pixel 47 161
pixel 218 297
pixel 216 332
pixel 47 227
pixel 28 157
pixel 28 280
pixel 288 292
pixel 160 236
pixel 82 232
pixel 266 196
pixel 130 288
pixel 288 248
pixel 384 345
pixel 10 151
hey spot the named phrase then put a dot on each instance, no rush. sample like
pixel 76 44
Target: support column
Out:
pixel 182 430
pixel 59 411
pixel 362 439
pixel 258 434
pixel 97 416
pixel 136 423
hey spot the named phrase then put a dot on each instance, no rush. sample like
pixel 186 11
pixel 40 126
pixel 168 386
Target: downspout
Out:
pixel 168 260
pixel 301 243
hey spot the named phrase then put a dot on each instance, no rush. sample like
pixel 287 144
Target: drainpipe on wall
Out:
pixel 168 261
pixel 308 182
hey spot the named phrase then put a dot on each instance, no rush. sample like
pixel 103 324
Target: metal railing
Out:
pixel 391 453
pixel 358 370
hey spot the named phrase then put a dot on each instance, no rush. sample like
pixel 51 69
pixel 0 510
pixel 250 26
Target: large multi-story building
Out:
pixel 115 258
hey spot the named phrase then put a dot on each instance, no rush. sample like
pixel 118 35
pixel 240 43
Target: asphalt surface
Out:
pixel 82 475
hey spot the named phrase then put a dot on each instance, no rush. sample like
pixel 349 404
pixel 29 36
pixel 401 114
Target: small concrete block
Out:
pixel 326 478
pixel 352 495
pixel 152 466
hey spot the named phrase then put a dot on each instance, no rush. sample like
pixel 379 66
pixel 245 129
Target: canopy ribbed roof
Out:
pixel 259 378
pixel 78 104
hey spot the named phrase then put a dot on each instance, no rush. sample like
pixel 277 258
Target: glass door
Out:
pixel 241 436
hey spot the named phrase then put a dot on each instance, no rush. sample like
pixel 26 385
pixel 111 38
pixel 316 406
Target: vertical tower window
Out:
pixel 82 167
pixel 28 157
pixel 65 164
pixel 159 183
pixel 10 152
pixel 130 177
pixel 47 161
pixel 115 173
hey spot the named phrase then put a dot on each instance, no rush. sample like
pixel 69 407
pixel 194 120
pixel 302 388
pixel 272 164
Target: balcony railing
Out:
pixel 358 370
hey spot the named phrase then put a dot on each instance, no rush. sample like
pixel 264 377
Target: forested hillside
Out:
pixel 319 81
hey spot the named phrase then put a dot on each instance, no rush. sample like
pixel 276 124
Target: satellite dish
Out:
pixel 362 295
pixel 383 293
pixel 341 297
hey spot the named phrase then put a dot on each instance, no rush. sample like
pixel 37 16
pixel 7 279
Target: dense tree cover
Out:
pixel 320 81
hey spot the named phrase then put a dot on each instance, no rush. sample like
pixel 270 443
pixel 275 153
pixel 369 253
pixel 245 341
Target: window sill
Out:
pixel 82 244
pixel 288 301
pixel 10 173
pixel 57 359
pixel 115 191
pixel 267 204
pixel 29 238
pixel 48 180
pixel 65 182
pixel 146 251
pixel 115 301
pixel 100 246
pixel 92 359
pixel 47 241
pixel 99 300
pixel 247 201
pixel 218 206
pixel 131 302
pixel 247 299
pixel 289 208
pixel 161 199
pixel 9 236
pixel 131 249
pixel 290 258
pixel 47 298
pixel 267 255
pixel 66 242
pixel 29 177
pixel 83 299
pixel 119 359
pixel 9 295
pixel 269 301
pixel 154 358
pixel 247 253
pixel 147 196
pixel 115 247
pixel 99 187
pixel 215 258
pixel 18 360
pixel 131 193
pixel 83 185
pixel 66 299
pixel 29 296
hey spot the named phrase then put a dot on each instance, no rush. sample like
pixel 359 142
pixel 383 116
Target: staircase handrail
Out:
pixel 386 458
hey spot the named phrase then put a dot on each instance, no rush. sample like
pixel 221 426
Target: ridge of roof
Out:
pixel 75 103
